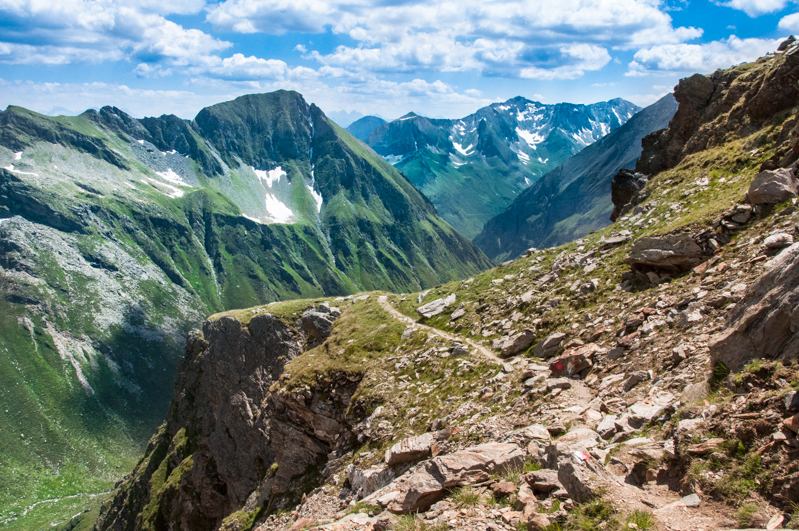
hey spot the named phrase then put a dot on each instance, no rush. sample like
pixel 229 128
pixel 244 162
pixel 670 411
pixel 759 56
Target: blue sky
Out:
pixel 441 58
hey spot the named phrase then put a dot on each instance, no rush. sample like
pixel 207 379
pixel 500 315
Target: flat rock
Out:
pixel 672 252
pixel 410 449
pixel 543 481
pixel 436 307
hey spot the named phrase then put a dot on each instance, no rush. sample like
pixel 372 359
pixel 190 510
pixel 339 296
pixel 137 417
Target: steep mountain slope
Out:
pixel 613 408
pixel 363 127
pixel 118 235
pixel 473 168
pixel 574 198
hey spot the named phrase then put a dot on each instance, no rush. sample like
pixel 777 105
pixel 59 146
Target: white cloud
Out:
pixel 670 59
pixel 73 31
pixel 790 23
pixel 755 8
pixel 645 100
pixel 516 38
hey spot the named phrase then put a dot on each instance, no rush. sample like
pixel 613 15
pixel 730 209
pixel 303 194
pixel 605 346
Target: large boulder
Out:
pixel 772 186
pixel 518 343
pixel 436 307
pixel 672 252
pixel 548 347
pixel 764 324
pixel 431 480
pixel 574 360
pixel 577 440
pixel 364 482
pixel 623 189
pixel 583 477
pixel 410 449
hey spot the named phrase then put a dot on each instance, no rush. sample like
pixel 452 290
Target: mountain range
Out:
pixel 573 199
pixel 118 235
pixel 473 168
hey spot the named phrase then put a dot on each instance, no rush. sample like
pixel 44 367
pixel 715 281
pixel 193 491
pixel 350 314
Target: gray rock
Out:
pixel 634 379
pixel 772 186
pixel 365 482
pixel 695 392
pixel 792 401
pixel 764 323
pixel 548 347
pixel 410 449
pixel 543 481
pixel 580 439
pixel 317 326
pixel 558 383
pixel 778 241
pixel 615 353
pixel 673 252
pixel 607 428
pixel 582 477
pixel 436 307
pixel 574 360
pixel 518 343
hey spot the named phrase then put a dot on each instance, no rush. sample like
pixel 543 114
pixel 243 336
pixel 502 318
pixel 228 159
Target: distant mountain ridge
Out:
pixel 363 127
pixel 574 198
pixel 474 167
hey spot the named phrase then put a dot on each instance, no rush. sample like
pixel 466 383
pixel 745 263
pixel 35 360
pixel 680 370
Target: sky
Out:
pixel 438 58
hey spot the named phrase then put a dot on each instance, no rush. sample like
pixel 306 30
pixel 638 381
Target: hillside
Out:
pixel 473 168
pixel 573 199
pixel 119 235
pixel 643 377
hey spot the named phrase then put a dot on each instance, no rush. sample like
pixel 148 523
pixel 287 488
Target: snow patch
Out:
pixel 172 177
pixel 10 167
pixel 393 159
pixel 172 192
pixel 278 210
pixel 18 155
pixel 459 148
pixel 532 139
pixel 269 177
pixel 527 181
pixel 524 157
pixel 252 218
pixel 140 141
pixel 317 197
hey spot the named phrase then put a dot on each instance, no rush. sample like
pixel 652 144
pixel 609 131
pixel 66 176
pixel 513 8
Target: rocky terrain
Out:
pixel 118 236
pixel 643 377
pixel 472 169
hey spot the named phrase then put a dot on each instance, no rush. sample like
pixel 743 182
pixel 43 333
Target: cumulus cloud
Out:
pixel 790 23
pixel 670 59
pixel 529 39
pixel 72 31
pixel 755 8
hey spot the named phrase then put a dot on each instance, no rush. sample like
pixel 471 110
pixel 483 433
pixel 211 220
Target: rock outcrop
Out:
pixel 764 325
pixel 672 253
pixel 626 189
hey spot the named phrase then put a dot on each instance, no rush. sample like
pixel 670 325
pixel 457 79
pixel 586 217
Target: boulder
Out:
pixel 432 480
pixel 574 360
pixel 543 481
pixel 764 323
pixel 786 43
pixel 634 379
pixel 410 449
pixel 772 186
pixel 582 477
pixel 778 241
pixel 436 307
pixel 607 428
pixel 316 325
pixel 672 252
pixel 548 347
pixel 365 482
pixel 580 439
pixel 525 497
pixel 518 343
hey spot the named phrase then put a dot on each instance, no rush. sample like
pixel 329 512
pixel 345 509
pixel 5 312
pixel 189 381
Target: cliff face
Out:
pixel 230 443
pixel 726 105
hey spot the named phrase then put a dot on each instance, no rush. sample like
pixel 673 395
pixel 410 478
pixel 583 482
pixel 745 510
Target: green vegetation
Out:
pixel 745 514
pixel 466 496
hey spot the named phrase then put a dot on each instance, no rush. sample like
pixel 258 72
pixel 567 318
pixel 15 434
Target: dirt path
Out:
pixel 402 318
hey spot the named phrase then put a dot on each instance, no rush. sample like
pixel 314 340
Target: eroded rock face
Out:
pixel 227 437
pixel 764 324
pixel 672 252
pixel 624 187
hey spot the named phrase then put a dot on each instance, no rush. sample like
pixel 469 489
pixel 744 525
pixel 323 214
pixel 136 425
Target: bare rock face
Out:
pixel 764 324
pixel 772 186
pixel 229 438
pixel 624 188
pixel 672 252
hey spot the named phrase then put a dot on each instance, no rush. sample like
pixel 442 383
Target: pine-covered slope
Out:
pixel 574 198
pixel 118 235
pixel 473 168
